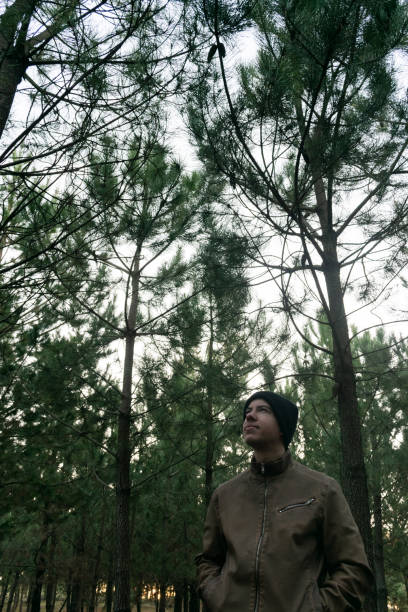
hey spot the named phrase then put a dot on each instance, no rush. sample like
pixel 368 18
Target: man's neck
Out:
pixel 268 455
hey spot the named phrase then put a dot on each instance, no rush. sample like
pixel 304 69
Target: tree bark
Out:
pixel 4 588
pixel 51 581
pixel 23 592
pixel 209 452
pixel 14 24
pixel 94 585
pixel 30 595
pixel 185 597
pixel 77 576
pixel 382 594
pixel 354 477
pixel 13 591
pixel 123 485
pixel 109 594
pixel 138 602
pixel 162 605
pixel 178 600
pixel 69 589
pixel 17 598
pixel 40 567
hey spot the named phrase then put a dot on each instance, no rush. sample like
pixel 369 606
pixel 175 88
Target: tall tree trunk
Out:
pixel 94 585
pixel 4 588
pixel 30 595
pixel 17 598
pixel 23 592
pixel 354 477
pixel 69 590
pixel 77 576
pixel 186 597
pixel 51 581
pixel 123 484
pixel 178 599
pixel 194 605
pixel 13 591
pixel 109 585
pixel 162 605
pixel 40 566
pixel 382 595
pixel 209 451
pixel 50 594
pixel 13 61
pixel 138 602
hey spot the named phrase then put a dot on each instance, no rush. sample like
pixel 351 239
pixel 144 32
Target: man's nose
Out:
pixel 250 416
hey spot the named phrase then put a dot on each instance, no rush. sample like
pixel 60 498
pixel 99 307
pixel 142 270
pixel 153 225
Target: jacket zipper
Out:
pixel 306 503
pixel 258 549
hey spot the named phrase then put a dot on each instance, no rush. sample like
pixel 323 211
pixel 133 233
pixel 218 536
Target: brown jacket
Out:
pixel 281 538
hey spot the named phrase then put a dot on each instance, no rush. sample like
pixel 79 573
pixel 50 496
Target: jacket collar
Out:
pixel 273 468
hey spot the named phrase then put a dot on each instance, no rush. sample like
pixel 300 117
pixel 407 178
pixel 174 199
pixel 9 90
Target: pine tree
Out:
pixel 155 212
pixel 380 363
pixel 316 118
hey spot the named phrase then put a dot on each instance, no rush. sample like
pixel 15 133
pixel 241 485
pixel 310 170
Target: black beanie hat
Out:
pixel 285 411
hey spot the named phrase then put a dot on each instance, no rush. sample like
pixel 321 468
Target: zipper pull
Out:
pixel 262 468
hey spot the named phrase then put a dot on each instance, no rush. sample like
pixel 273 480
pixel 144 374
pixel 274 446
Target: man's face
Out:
pixel 260 428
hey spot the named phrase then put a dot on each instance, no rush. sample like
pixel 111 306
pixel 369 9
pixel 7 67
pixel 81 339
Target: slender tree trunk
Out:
pixel 13 62
pixel 194 605
pixel 51 581
pixel 139 593
pixel 78 577
pixel 185 597
pixel 30 595
pixel 40 565
pixel 178 599
pixel 209 450
pixel 13 591
pixel 109 586
pixel 354 477
pixel 138 603
pixel 69 590
pixel 23 592
pixel 4 588
pixel 37 588
pixel 123 485
pixel 50 594
pixel 94 585
pixel 54 595
pixel 382 595
pixel 17 598
pixel 162 605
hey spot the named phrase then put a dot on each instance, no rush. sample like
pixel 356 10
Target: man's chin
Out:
pixel 251 441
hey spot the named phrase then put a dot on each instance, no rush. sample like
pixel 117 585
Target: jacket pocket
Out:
pixel 316 599
pixel 211 593
pixel 301 504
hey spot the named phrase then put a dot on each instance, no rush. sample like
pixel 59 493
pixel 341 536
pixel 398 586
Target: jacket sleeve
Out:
pixel 349 576
pixel 211 560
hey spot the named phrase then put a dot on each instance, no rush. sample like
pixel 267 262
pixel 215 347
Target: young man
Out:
pixel 280 537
